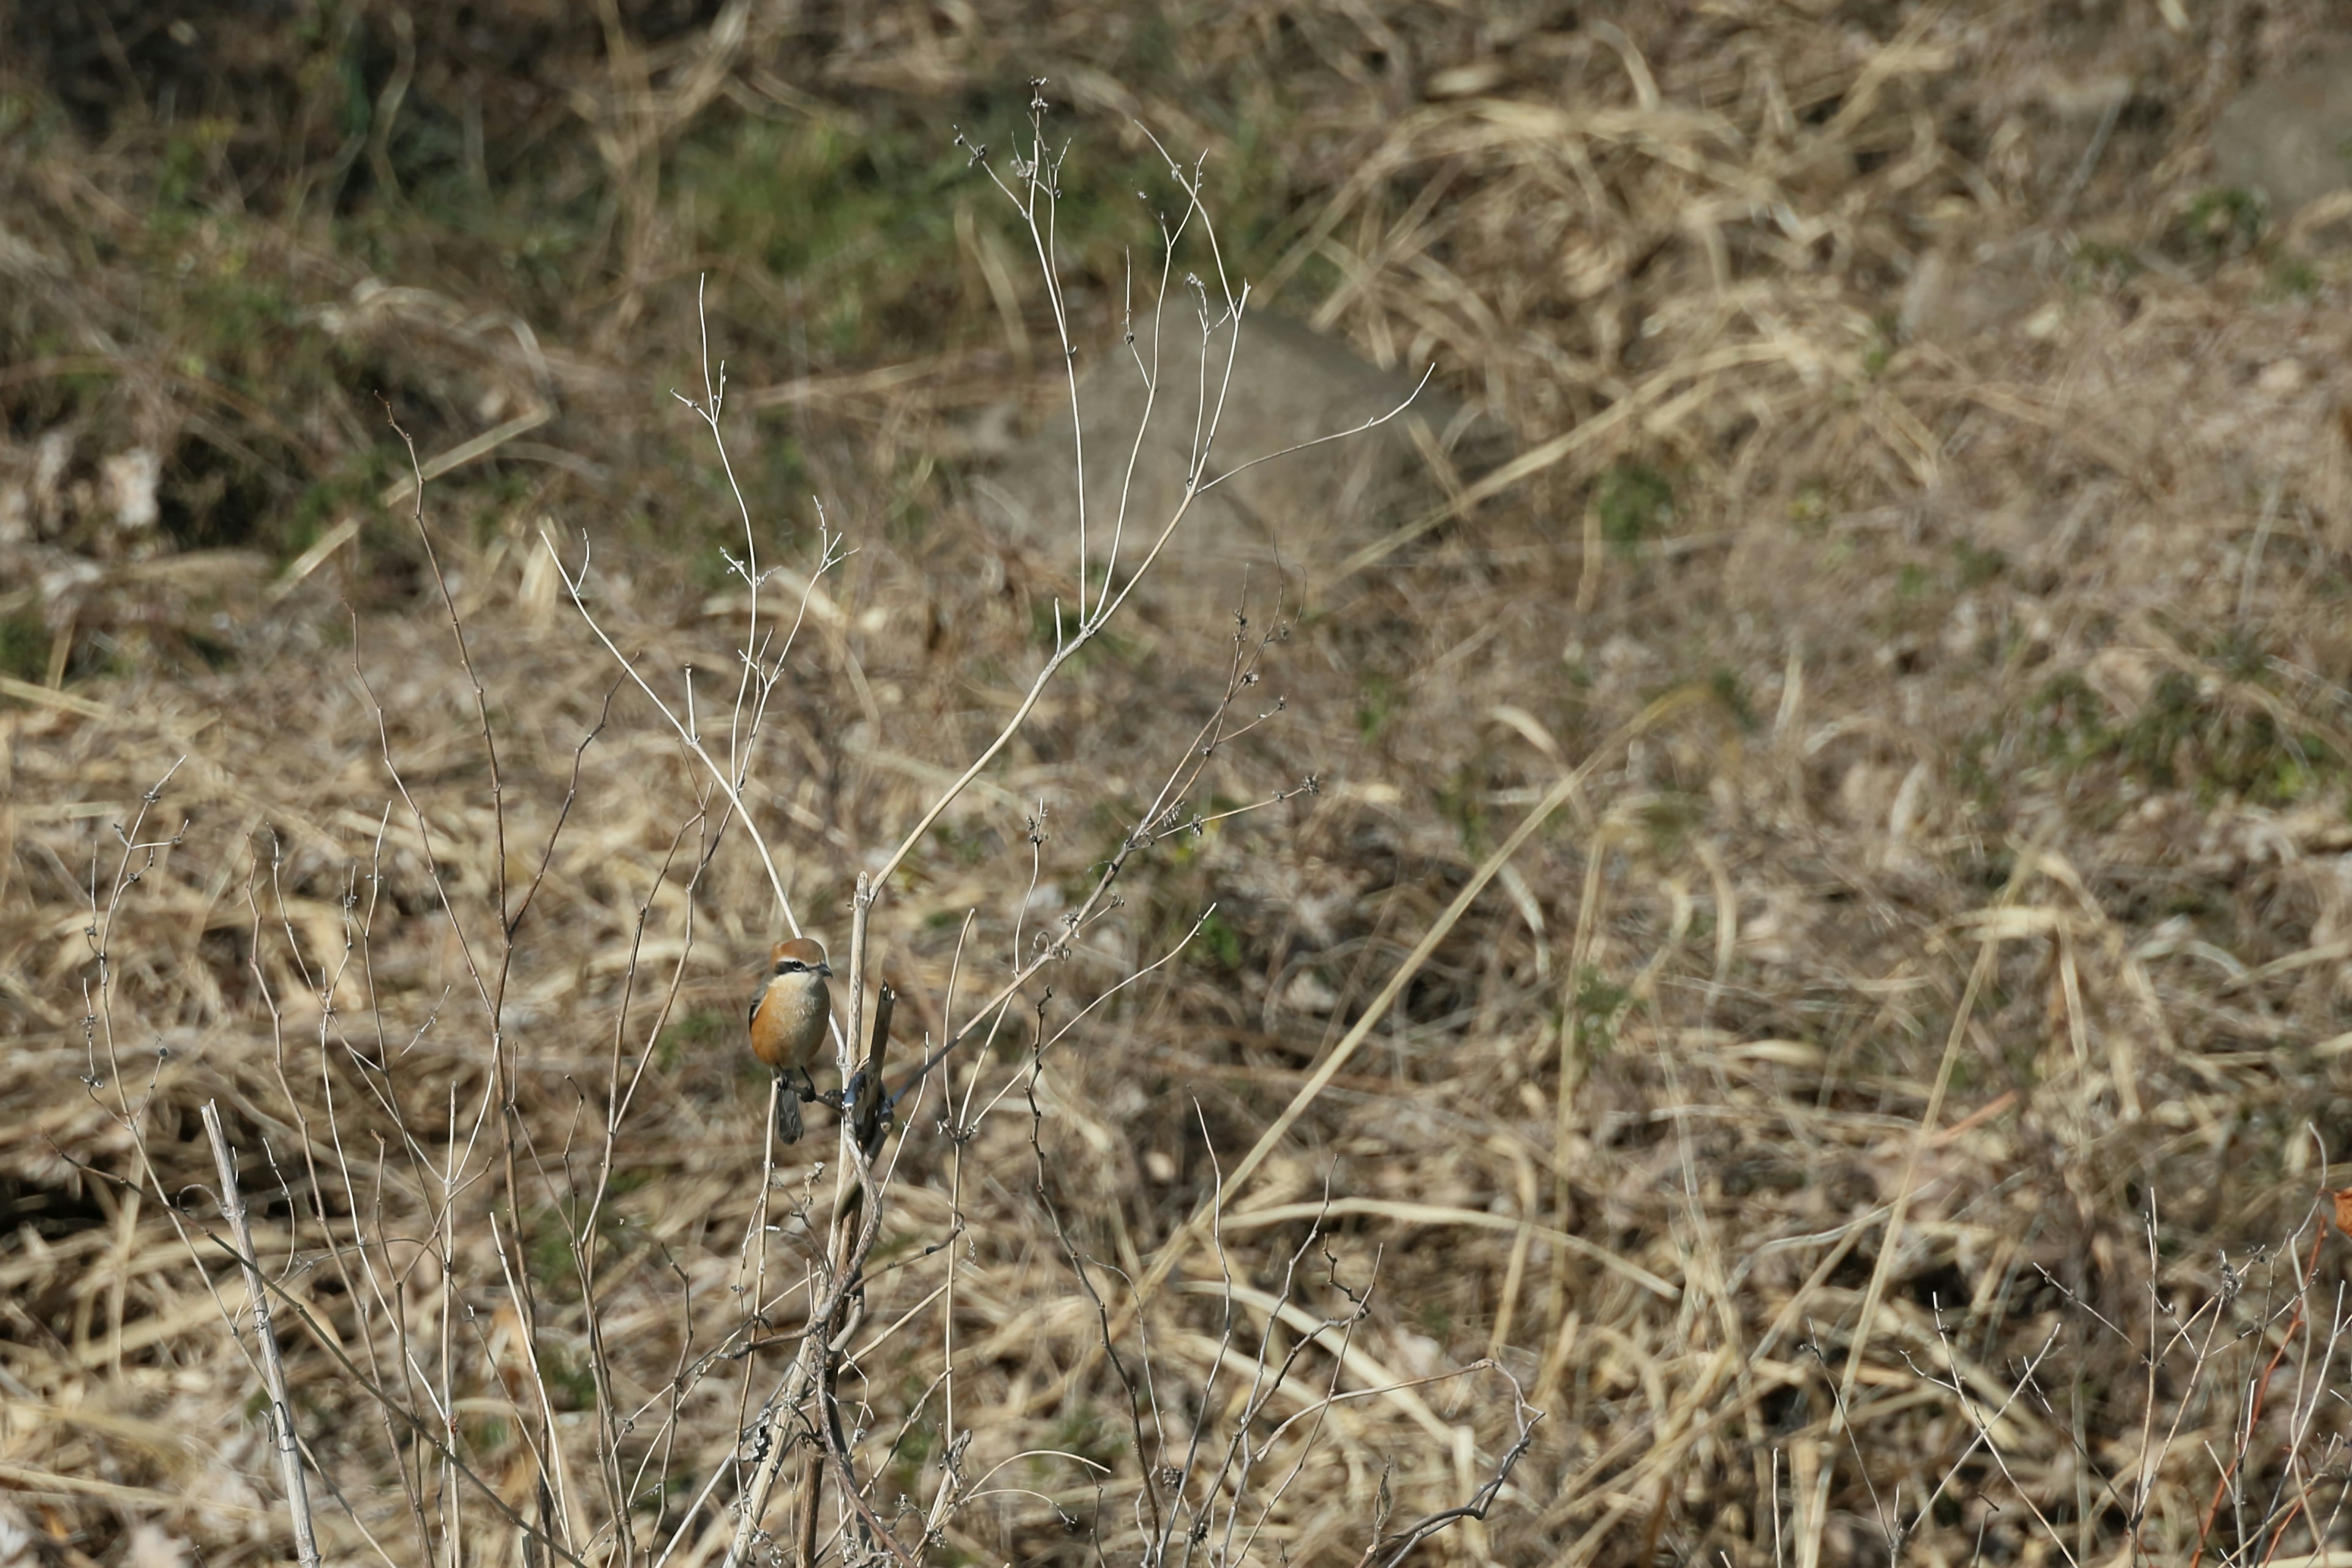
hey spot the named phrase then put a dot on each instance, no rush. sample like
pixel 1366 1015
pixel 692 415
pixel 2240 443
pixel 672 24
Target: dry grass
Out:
pixel 1935 977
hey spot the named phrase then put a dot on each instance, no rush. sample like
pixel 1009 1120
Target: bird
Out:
pixel 788 1023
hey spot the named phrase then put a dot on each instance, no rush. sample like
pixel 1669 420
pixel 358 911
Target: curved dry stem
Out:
pixel 575 585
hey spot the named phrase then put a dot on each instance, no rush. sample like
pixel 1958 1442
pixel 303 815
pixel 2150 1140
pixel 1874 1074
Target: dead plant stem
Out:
pixel 265 1334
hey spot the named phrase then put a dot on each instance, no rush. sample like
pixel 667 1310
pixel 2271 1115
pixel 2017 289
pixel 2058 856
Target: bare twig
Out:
pixel 265 1335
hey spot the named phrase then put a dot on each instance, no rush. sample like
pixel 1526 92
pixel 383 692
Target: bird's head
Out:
pixel 801 955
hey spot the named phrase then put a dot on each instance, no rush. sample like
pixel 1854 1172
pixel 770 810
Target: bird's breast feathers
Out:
pixel 788 1022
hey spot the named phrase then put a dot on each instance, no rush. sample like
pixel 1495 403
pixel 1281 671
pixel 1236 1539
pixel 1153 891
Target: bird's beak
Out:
pixel 824 968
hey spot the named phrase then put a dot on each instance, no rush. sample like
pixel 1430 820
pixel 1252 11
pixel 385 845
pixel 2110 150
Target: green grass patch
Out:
pixel 2223 223
pixel 2101 269
pixel 1595 1012
pixel 1669 819
pixel 1220 943
pixel 24 645
pixel 1635 503
pixel 1379 698
pixel 699 1030
pixel 2181 738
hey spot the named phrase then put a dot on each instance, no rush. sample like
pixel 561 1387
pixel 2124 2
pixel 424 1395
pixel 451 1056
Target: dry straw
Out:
pixel 430 1185
pixel 1865 1113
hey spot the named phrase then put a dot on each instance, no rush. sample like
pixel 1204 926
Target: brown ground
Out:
pixel 1929 536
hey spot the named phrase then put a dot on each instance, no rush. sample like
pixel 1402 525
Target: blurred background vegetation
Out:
pixel 239 236
pixel 1909 385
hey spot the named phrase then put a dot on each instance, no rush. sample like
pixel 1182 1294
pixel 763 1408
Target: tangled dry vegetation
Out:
pixel 1817 949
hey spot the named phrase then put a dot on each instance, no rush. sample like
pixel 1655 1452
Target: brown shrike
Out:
pixel 789 1019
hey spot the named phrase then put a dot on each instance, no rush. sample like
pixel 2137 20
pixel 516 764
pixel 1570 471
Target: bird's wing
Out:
pixel 754 1013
